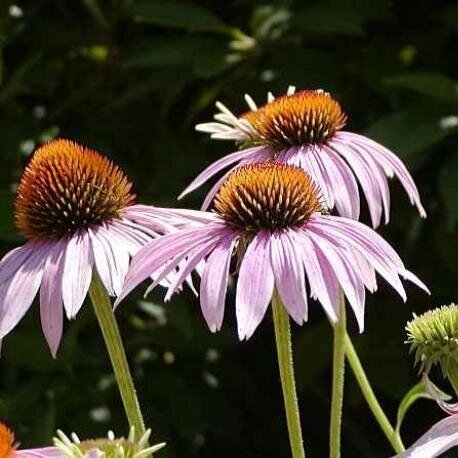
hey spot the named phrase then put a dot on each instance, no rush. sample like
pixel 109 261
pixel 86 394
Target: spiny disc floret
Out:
pixel 303 118
pixel 67 187
pixel 433 337
pixel 268 196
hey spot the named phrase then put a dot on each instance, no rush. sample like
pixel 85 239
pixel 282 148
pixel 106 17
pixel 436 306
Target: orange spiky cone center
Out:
pixel 306 117
pixel 269 196
pixel 67 187
pixel 7 441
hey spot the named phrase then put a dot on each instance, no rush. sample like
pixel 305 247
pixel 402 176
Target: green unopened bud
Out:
pixel 109 447
pixel 433 337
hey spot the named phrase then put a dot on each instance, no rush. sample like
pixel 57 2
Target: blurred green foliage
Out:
pixel 131 78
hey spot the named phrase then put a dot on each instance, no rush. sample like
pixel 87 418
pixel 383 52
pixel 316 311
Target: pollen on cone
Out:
pixel 268 195
pixel 297 119
pixel 7 441
pixel 67 187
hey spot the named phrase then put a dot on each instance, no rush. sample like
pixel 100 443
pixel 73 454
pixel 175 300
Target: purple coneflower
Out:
pixel 9 447
pixel 305 129
pixel 271 216
pixel 77 212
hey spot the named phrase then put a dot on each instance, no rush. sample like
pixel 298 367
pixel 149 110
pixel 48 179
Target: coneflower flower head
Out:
pixel 77 212
pixel 271 215
pixel 267 196
pixel 109 447
pixel 66 188
pixel 305 129
pixel 306 117
pixel 433 338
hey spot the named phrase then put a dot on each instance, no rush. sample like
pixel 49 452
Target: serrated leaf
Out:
pixel 188 16
pixel 430 84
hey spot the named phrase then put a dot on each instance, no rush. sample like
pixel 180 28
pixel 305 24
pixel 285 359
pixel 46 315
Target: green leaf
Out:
pixel 448 189
pixel 430 84
pixel 410 132
pixel 325 19
pixel 414 394
pixel 181 15
pixel 7 228
pixel 205 55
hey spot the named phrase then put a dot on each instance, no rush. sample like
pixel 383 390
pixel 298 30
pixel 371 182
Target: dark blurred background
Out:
pixel 131 78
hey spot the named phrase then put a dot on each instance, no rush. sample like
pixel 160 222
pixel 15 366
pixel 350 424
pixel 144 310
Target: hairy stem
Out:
pixel 288 383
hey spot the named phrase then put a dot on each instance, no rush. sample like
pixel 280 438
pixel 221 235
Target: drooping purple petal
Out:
pixel 437 440
pixel 77 274
pixel 407 275
pixel 342 183
pixel 51 302
pixel 18 292
pixel 44 452
pixel 323 287
pixel 351 284
pixel 14 259
pixel 111 259
pixel 366 177
pixel 367 242
pixel 255 286
pixel 289 276
pixel 186 268
pixel 158 252
pixel 379 174
pixel 389 161
pixel 219 165
pixel 213 285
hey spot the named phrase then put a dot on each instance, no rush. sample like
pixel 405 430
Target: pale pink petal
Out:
pixel 14 259
pixel 189 265
pixel 326 290
pixel 379 175
pixel 18 292
pixel 51 303
pixel 158 252
pixel 261 155
pixel 77 274
pixel 368 244
pixel 312 166
pixel 342 183
pixel 349 281
pixel 255 286
pixel 389 161
pixel 407 275
pixel 365 176
pixel 111 258
pixel 219 165
pixel 289 276
pixel 213 285
pixel 213 191
pixel 44 452
pixel 437 440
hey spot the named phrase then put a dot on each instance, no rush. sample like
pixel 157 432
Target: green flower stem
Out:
pixel 369 395
pixel 107 321
pixel 338 378
pixel 285 363
pixel 452 374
